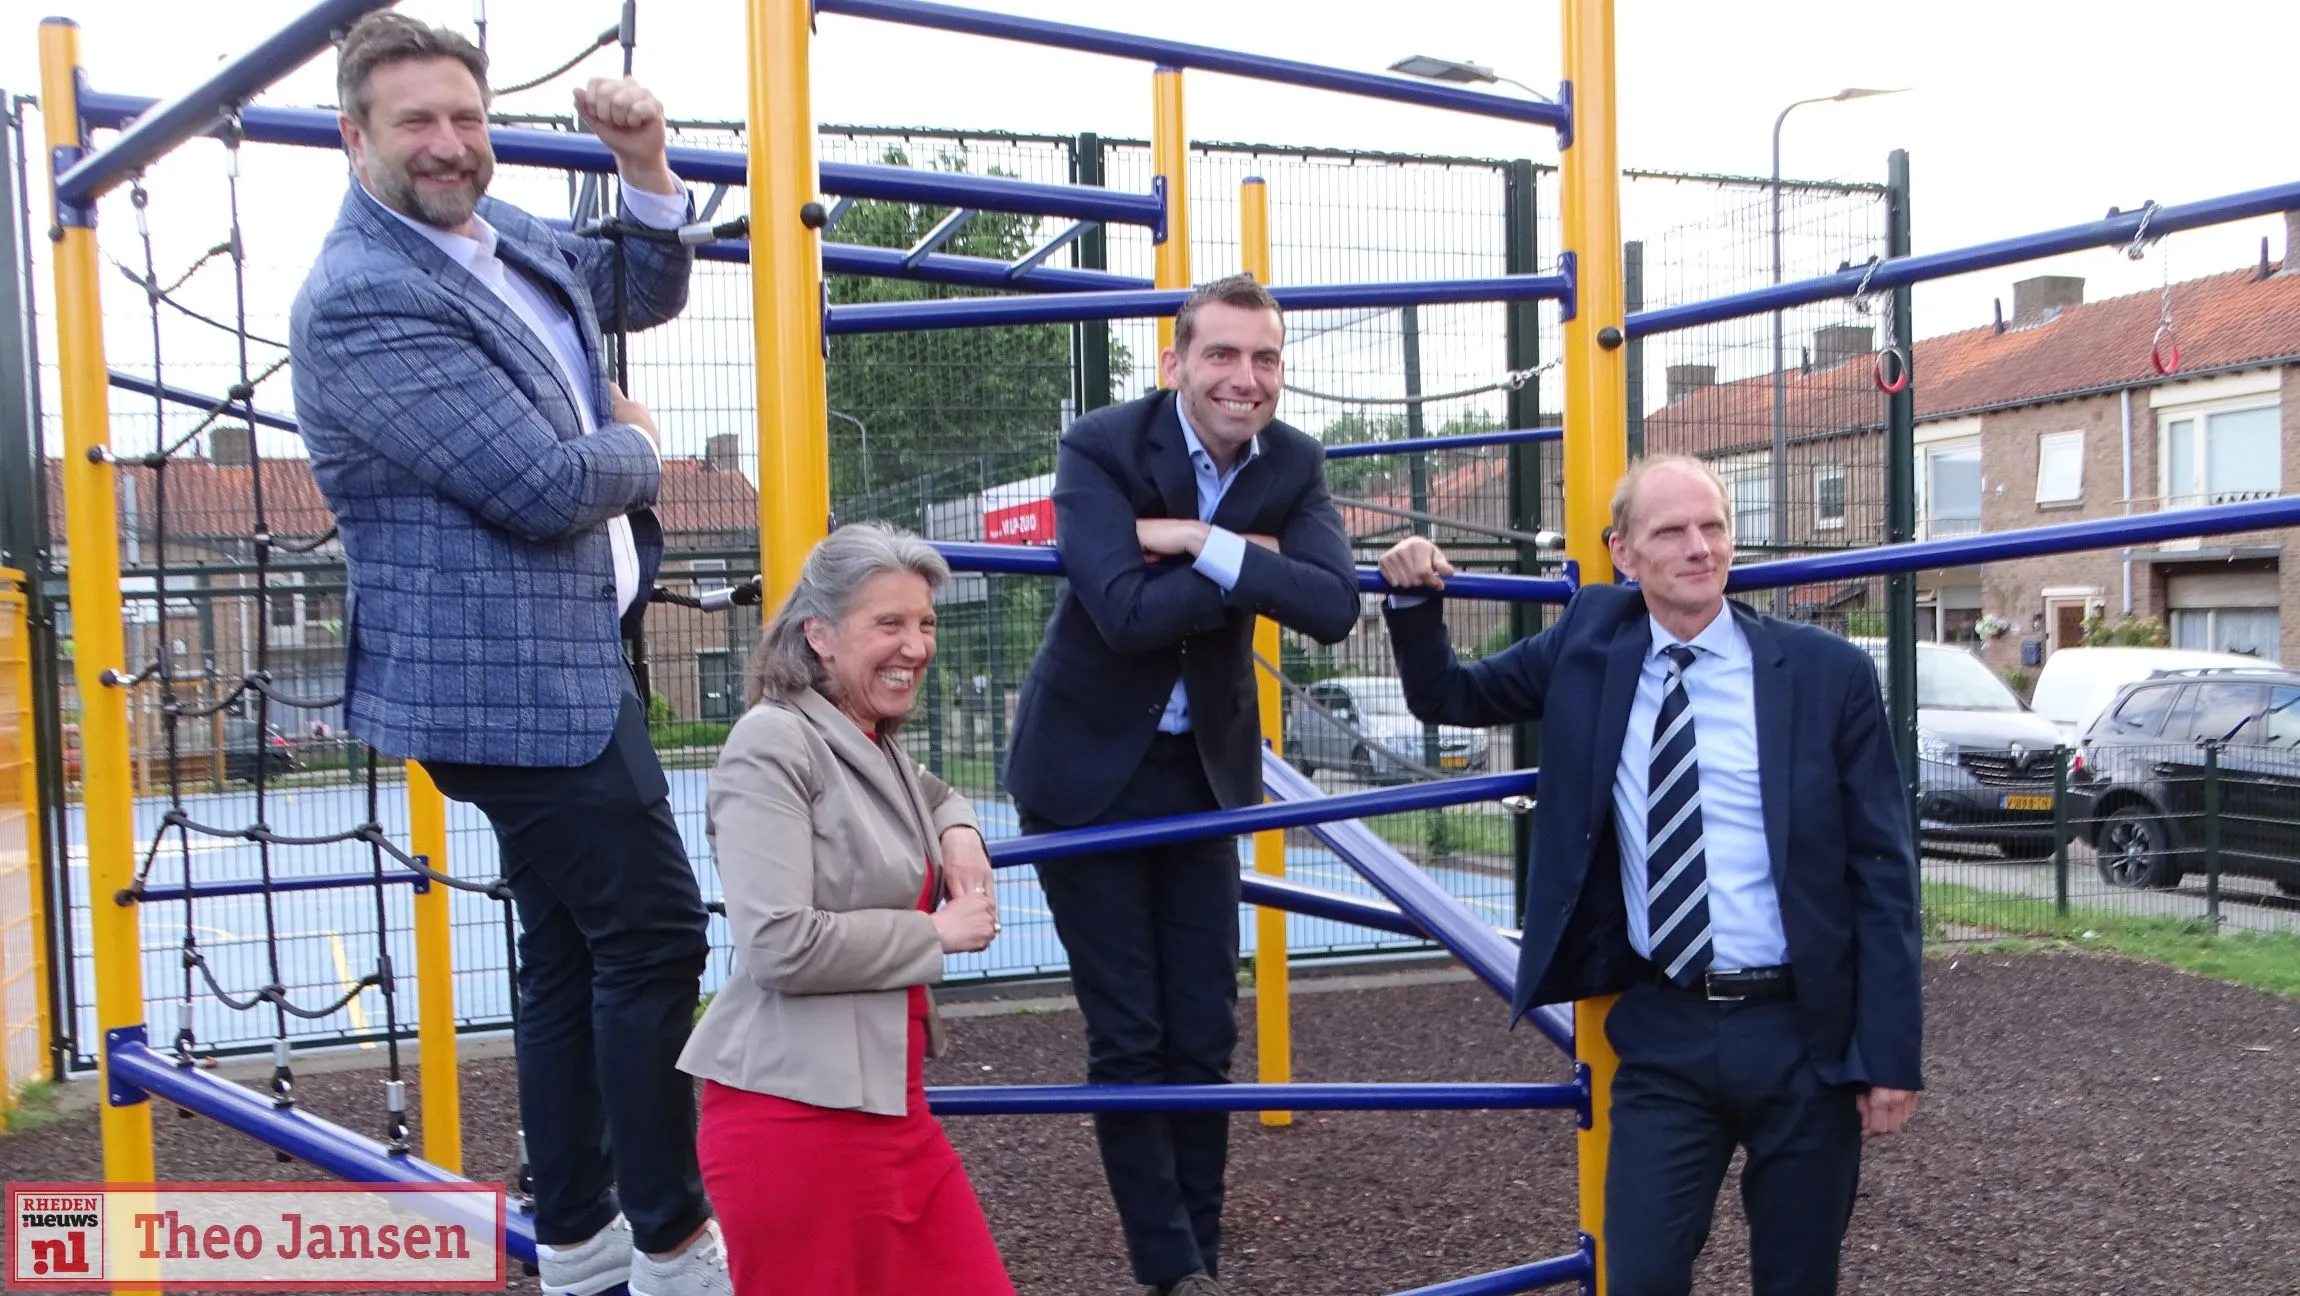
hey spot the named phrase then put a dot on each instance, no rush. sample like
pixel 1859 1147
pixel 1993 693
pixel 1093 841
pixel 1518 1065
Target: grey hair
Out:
pixel 1625 493
pixel 784 664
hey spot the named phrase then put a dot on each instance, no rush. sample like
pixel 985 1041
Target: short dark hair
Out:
pixel 386 37
pixel 1238 290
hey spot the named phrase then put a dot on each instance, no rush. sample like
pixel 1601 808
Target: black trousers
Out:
pixel 1152 937
pixel 611 950
pixel 1696 1079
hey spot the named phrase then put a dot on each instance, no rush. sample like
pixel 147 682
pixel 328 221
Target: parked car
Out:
pixel 1316 736
pixel 1984 761
pixel 2142 793
pixel 2076 684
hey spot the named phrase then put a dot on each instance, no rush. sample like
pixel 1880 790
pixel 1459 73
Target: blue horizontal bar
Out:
pixel 1294 898
pixel 178 396
pixel 1039 560
pixel 977 312
pixel 393 876
pixel 1574 1268
pixel 939 267
pixel 134 1071
pixel 970 271
pixel 1424 445
pixel 989 193
pixel 1902 271
pixel 1177 54
pixel 2028 542
pixel 1010 852
pixel 162 127
pixel 1025 1100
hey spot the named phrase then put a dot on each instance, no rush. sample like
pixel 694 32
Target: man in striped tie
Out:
pixel 1722 840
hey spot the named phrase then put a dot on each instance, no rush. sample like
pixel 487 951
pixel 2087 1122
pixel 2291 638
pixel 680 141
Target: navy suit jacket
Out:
pixel 1843 859
pixel 1124 630
pixel 481 625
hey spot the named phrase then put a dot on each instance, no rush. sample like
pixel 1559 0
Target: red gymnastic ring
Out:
pixel 1892 371
pixel 2164 354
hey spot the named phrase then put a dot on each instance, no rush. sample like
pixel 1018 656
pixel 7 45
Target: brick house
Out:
pixel 708 507
pixel 2053 415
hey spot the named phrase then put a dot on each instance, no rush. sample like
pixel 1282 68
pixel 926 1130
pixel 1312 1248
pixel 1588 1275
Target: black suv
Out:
pixel 2142 787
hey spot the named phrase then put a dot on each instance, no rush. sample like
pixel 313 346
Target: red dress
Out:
pixel 815 1201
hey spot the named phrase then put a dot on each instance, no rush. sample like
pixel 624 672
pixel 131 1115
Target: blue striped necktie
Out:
pixel 1676 867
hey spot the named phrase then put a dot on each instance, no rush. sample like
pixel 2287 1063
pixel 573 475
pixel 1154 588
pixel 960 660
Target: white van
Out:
pixel 2077 682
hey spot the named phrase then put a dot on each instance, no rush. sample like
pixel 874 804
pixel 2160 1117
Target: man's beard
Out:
pixel 401 191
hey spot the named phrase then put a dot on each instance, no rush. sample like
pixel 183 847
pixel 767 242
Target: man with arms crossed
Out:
pixel 1180 517
pixel 1723 840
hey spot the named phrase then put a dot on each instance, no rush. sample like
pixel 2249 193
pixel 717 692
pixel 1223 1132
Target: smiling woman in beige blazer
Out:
pixel 828 1175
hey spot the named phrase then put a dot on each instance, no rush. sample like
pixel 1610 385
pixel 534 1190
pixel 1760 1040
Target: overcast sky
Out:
pixel 2023 116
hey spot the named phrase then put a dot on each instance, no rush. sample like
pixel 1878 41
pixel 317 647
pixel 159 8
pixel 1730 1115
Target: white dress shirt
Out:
pixel 544 316
pixel 1721 692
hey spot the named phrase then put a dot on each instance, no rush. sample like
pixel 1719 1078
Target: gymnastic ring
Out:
pixel 2164 354
pixel 1892 371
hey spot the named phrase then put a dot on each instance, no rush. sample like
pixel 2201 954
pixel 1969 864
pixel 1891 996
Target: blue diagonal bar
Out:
pixel 1090 40
pixel 2028 542
pixel 197 400
pixel 160 127
pixel 393 876
pixel 1293 897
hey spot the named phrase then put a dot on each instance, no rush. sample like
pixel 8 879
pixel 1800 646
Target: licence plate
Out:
pixel 2019 801
pixel 1453 762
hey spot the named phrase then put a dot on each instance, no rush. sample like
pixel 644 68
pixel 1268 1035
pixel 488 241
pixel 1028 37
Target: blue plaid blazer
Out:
pixel 481 625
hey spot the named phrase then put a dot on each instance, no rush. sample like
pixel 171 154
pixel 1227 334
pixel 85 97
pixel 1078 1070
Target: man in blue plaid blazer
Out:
pixel 493 493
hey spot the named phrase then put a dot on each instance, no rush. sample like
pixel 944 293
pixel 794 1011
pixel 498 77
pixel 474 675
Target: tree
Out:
pixel 944 412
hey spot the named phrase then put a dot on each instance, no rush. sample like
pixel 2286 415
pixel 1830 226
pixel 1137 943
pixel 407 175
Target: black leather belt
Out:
pixel 1742 985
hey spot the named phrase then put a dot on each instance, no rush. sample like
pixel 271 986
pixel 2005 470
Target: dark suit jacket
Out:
pixel 1123 630
pixel 1843 860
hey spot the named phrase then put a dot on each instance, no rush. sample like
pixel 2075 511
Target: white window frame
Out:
pixel 1925 493
pixel 2199 415
pixel 1823 521
pixel 706 583
pixel 1752 473
pixel 2070 444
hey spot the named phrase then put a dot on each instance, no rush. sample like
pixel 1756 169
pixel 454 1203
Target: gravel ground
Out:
pixel 2094 1125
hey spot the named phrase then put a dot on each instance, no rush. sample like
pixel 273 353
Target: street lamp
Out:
pixel 1778 514
pixel 861 427
pixel 1437 69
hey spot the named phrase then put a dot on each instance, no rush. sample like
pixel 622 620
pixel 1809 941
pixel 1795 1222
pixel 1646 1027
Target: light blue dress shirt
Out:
pixel 552 325
pixel 1224 553
pixel 1721 690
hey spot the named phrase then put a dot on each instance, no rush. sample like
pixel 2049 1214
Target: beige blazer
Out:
pixel 822 843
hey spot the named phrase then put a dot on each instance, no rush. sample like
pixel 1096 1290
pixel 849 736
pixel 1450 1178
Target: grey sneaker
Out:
pixel 1196 1284
pixel 700 1270
pixel 587 1268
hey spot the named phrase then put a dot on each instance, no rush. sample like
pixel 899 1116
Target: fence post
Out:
pixel 2060 829
pixel 2212 831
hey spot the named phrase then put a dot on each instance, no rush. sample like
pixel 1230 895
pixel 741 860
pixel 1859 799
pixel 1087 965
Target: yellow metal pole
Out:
pixel 435 979
pixel 1273 1002
pixel 786 298
pixel 91 520
pixel 1596 446
pixel 20 853
pixel 1170 158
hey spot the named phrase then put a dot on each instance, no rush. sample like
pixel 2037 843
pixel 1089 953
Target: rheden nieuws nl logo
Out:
pixel 256 1237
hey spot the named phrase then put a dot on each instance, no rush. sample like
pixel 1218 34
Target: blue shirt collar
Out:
pixel 1199 457
pixel 1721 638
